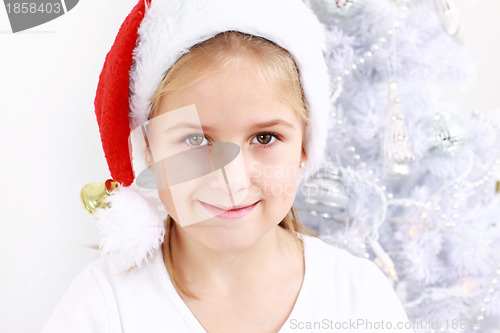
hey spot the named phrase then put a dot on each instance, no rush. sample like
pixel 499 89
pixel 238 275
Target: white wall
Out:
pixel 51 148
pixel 482 39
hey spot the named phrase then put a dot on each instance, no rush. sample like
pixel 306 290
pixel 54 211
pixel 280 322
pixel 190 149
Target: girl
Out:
pixel 228 103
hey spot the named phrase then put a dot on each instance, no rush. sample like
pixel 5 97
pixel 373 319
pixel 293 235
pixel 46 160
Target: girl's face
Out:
pixel 237 107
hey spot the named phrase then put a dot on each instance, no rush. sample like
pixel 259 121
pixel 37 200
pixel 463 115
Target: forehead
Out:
pixel 237 93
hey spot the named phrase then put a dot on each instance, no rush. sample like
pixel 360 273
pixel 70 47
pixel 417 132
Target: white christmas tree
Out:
pixel 410 181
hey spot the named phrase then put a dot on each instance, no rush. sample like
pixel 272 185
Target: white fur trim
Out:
pixel 171 27
pixel 132 230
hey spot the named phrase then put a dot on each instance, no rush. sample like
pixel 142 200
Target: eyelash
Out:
pixel 264 146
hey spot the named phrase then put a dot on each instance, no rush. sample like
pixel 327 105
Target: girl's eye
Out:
pixel 266 139
pixel 196 140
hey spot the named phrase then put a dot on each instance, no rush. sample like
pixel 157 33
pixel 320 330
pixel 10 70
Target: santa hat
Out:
pixel 151 39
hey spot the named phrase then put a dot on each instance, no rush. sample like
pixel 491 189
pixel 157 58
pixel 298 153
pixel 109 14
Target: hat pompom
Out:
pixel 131 229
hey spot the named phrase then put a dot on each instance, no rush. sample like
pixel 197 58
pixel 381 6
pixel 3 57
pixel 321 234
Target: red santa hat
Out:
pixel 151 39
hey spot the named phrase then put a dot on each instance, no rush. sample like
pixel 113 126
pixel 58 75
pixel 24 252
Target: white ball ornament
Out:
pixel 325 193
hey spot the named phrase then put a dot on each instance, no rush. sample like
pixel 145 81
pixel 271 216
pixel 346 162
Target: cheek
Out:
pixel 179 202
pixel 276 180
pixel 283 184
pixel 168 202
pixel 174 198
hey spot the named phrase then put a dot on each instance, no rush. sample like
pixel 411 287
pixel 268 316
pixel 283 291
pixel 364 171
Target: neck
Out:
pixel 200 267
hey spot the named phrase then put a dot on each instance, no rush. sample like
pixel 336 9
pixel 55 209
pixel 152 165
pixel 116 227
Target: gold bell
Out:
pixel 92 195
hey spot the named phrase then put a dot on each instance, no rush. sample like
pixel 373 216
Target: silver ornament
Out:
pixel 325 193
pixel 397 152
pixel 344 8
pixel 446 134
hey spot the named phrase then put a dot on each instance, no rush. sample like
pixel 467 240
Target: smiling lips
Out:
pixel 235 212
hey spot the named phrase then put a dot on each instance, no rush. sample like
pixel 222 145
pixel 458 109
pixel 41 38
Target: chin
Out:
pixel 223 238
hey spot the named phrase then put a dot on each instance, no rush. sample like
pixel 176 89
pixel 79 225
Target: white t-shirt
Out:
pixel 339 293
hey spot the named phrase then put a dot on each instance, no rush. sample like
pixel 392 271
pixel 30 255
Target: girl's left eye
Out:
pixel 266 139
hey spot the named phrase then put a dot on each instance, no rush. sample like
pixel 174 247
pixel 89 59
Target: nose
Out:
pixel 230 174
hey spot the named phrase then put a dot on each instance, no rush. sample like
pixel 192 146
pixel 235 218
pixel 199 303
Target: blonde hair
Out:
pixel 275 66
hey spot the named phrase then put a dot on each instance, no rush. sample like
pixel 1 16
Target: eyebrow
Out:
pixel 274 122
pixel 270 123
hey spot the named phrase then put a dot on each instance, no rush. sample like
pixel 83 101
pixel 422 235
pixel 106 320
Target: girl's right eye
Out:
pixel 196 140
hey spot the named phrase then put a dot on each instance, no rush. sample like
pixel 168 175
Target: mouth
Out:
pixel 234 212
